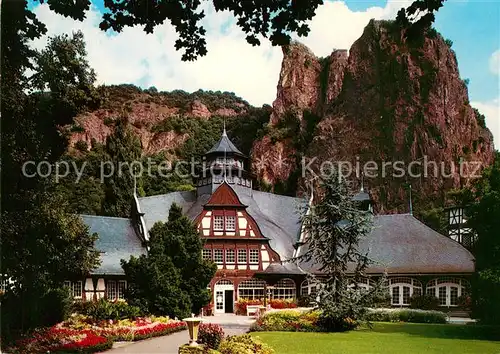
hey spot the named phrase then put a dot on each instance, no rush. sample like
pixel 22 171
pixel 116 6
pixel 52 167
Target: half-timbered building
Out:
pixel 249 234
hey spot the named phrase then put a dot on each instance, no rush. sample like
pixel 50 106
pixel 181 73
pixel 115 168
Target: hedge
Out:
pixel 405 315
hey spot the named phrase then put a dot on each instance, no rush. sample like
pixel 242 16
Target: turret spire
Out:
pixel 224 131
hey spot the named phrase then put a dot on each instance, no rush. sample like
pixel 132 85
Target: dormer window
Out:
pixel 218 222
pixel 230 223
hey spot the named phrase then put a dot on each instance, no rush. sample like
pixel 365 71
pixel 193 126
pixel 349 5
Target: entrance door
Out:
pixel 228 301
pixel 223 296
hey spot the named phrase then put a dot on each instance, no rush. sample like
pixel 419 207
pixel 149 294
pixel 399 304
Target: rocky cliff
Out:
pixel 388 100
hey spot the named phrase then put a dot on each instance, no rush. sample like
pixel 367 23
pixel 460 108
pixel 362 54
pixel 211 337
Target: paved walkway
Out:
pixel 170 344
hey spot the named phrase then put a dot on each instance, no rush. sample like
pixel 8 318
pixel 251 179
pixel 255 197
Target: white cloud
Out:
pixel 230 65
pixel 491 111
pixel 495 62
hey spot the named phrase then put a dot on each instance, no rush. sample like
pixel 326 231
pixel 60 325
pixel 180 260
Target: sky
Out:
pixel 252 72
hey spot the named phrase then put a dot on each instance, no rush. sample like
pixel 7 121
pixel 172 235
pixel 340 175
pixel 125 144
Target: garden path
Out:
pixel 170 344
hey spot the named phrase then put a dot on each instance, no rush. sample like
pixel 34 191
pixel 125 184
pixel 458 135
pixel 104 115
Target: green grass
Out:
pixel 389 338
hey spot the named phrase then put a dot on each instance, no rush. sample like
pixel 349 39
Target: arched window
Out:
pixel 447 290
pixel 284 289
pixel 364 284
pixel 252 289
pixel 402 289
pixel 308 288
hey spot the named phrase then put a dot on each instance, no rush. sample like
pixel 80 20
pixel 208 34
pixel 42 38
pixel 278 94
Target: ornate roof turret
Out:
pixel 224 145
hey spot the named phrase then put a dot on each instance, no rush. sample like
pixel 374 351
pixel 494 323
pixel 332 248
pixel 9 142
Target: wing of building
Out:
pixel 250 234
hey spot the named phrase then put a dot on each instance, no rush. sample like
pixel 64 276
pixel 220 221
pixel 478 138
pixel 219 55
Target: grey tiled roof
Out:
pixel 117 240
pixel 278 217
pixel 224 145
pixel 157 207
pixel 283 269
pixel 402 244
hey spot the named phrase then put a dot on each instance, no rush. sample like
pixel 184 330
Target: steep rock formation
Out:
pixel 145 110
pixel 390 100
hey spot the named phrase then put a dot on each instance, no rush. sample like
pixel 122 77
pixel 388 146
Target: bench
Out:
pixel 253 309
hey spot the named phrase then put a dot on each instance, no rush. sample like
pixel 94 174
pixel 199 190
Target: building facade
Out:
pixel 250 234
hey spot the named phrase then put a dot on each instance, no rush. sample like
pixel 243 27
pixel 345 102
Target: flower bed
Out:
pixel 65 340
pixel 241 305
pixel 81 334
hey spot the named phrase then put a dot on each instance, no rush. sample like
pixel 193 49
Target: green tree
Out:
pixel 42 244
pixel 123 148
pixel 173 278
pixel 334 227
pixel 484 218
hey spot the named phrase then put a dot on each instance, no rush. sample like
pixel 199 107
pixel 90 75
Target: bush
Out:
pixel 405 315
pixel 424 302
pixel 211 335
pixel 244 344
pixel 81 145
pixel 330 322
pixel 200 349
pixel 287 321
pixel 107 310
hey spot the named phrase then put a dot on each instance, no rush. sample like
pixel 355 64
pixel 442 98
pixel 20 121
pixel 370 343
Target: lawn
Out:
pixel 389 338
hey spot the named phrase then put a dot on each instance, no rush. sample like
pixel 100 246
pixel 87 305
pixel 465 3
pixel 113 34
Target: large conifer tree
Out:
pixel 334 228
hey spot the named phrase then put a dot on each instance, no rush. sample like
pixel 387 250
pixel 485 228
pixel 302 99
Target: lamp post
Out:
pixel 193 324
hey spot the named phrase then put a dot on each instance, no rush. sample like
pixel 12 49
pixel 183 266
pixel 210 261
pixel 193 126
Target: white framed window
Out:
pixel 122 285
pixel 447 290
pixel 242 256
pixel 218 222
pixel 254 256
pixel 76 288
pixel 402 289
pixel 308 288
pixel 111 290
pixel 206 254
pixel 218 256
pixel 230 223
pixel 251 289
pixel 284 289
pixel 364 284
pixel 230 256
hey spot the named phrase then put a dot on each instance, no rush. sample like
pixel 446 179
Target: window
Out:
pixel 284 289
pixel 447 290
pixel 254 256
pixel 76 288
pixel 406 288
pixel 308 288
pixel 218 222
pixel 251 289
pixel 206 253
pixel 230 258
pixel 111 290
pixel 122 285
pixel 230 223
pixel 218 257
pixel 242 256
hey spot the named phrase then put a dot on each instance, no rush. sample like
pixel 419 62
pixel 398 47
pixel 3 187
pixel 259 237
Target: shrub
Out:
pixel 81 145
pixel 405 315
pixel 200 349
pixel 283 304
pixel 287 320
pixel 331 322
pixel 211 335
pixel 244 344
pixel 424 302
pixel 107 310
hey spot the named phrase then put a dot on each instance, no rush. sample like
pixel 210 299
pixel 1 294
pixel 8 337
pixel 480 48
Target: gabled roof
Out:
pixel 402 244
pixel 117 240
pixel 224 195
pixel 224 145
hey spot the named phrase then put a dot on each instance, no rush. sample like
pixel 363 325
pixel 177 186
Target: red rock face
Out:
pixel 389 101
pixel 143 113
